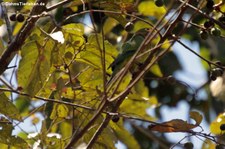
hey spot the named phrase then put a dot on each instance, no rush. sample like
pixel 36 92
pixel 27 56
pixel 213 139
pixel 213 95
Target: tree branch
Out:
pixel 24 32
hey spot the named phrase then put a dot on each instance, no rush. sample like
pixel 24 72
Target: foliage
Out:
pixel 86 73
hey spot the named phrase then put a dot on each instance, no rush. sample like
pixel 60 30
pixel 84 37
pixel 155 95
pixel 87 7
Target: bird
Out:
pixel 128 50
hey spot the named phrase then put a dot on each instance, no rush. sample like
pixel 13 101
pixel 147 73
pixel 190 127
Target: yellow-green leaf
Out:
pixel 62 111
pixel 124 136
pixel 215 125
pixel 59 111
pixel 73 28
pixel 155 69
pixel 148 8
pixel 66 126
pixel 91 79
pixel 34 66
pixel 109 24
pixel 92 53
pixel 208 144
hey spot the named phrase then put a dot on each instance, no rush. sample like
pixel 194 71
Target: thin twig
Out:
pixel 24 32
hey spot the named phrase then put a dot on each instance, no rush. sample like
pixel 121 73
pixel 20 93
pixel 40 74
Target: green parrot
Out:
pixel 128 50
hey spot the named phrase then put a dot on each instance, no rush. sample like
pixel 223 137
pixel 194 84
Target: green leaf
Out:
pixel 8 108
pixel 34 66
pixel 22 104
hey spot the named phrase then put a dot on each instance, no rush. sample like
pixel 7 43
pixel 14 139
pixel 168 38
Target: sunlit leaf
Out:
pixel 90 81
pixel 148 8
pixel 73 28
pixel 62 111
pixel 50 85
pixel 140 89
pixel 155 69
pixel 8 108
pixel 138 107
pixel 215 125
pixel 66 126
pixel 59 111
pixel 92 53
